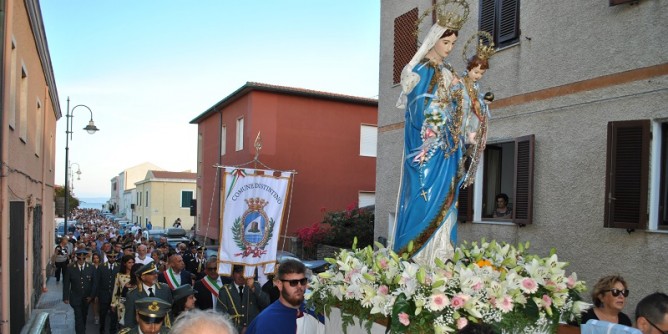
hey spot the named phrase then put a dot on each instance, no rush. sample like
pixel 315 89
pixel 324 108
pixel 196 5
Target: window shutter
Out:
pixel 523 196
pixel 465 205
pixel 486 17
pixel 627 171
pixel 405 42
pixel 509 22
pixel 619 2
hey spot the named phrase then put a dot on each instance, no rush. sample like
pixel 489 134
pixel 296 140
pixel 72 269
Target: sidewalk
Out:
pixel 61 315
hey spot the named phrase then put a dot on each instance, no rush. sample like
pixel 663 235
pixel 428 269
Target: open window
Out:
pixel 506 167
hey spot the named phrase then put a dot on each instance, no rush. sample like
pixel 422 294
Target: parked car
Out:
pixel 316 266
pixel 176 235
pixel 155 234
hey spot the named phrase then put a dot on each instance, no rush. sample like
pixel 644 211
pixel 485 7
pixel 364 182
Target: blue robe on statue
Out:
pixel 433 149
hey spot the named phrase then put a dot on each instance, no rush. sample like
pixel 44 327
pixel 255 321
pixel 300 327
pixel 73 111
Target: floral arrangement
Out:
pixel 490 282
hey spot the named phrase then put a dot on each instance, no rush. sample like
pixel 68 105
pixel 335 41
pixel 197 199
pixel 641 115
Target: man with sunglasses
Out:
pixel 208 287
pixel 79 288
pixel 652 314
pixel 243 299
pixel 288 314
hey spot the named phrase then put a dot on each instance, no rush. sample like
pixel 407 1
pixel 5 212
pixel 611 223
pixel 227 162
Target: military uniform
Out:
pixel 79 289
pixel 161 290
pixel 150 310
pixel 106 277
pixel 241 308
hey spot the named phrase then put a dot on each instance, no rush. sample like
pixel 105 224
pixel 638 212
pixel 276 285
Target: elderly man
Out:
pixel 147 287
pixel 652 314
pixel 203 322
pixel 208 287
pixel 150 314
pixel 175 275
pixel 142 255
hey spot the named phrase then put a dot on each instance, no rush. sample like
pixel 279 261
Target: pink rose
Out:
pixel 462 322
pixel 403 319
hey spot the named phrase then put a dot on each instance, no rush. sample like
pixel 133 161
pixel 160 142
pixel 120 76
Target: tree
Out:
pixel 59 197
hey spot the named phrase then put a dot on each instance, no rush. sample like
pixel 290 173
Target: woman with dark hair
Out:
pixel 433 144
pixel 609 297
pixel 122 278
pixel 95 260
pixel 184 299
pixel 502 210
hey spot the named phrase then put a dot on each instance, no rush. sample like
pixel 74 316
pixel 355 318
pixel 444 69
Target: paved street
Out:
pixel 61 315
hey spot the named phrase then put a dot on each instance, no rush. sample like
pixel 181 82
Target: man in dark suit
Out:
pixel 208 287
pixel 243 299
pixel 175 275
pixel 79 289
pixel 106 275
pixel 151 315
pixel 147 287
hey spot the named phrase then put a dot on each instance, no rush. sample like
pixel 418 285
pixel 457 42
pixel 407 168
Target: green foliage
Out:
pixel 345 225
pixel 59 197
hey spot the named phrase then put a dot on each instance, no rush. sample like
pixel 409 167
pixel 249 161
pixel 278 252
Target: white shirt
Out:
pixel 147 259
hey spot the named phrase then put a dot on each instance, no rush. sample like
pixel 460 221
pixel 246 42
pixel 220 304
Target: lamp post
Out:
pixel 78 172
pixel 91 128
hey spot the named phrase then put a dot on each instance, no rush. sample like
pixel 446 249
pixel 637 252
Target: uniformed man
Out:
pixel 79 288
pixel 196 262
pixel 148 286
pixel 243 299
pixel 106 275
pixel 150 316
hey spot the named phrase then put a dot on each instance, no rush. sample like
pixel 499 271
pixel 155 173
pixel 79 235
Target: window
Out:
pixel 146 198
pixel 186 197
pixel 23 106
pixel 405 42
pixel 368 140
pixel 366 198
pixel 223 141
pixel 505 167
pixel 501 18
pixel 139 198
pixel 240 134
pixel 637 175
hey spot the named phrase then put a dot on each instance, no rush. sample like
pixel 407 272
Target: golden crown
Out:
pixel 256 204
pixel 452 14
pixel 483 51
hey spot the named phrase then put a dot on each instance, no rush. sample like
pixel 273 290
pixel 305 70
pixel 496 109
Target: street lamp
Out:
pixel 91 129
pixel 78 172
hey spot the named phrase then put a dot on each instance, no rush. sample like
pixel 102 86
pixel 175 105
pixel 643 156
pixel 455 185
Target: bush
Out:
pixel 345 225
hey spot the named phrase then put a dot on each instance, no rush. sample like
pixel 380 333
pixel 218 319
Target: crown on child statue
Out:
pixel 451 14
pixel 485 48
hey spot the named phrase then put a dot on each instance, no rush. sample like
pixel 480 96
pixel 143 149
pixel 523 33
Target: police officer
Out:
pixel 150 316
pixel 147 286
pixel 79 288
pixel 106 275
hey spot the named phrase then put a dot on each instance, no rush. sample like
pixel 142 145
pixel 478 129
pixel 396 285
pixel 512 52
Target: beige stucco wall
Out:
pixel 164 205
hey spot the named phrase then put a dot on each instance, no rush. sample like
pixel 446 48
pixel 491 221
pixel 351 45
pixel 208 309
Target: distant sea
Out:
pixel 92 202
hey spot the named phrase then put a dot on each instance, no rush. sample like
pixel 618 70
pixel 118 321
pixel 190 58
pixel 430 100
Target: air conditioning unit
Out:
pixel 132 206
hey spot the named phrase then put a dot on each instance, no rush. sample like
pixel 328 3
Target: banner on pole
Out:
pixel 252 206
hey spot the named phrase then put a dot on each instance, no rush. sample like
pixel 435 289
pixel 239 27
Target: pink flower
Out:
pixel 547 301
pixel 477 286
pixel 383 263
pixel 462 322
pixel 457 301
pixel 438 302
pixel 529 285
pixel 403 319
pixel 571 281
pixel 383 290
pixel 505 304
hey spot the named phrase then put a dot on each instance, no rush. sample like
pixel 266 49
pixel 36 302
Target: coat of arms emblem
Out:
pixel 254 229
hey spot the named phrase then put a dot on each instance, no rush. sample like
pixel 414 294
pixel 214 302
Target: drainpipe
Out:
pixel 4 200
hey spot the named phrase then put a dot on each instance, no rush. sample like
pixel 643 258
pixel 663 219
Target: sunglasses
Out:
pixel 617 292
pixel 655 326
pixel 211 268
pixel 293 282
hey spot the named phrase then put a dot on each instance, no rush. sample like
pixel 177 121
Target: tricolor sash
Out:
pixel 211 285
pixel 171 279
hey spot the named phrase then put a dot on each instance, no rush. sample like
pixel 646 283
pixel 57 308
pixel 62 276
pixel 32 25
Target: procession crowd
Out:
pixel 134 284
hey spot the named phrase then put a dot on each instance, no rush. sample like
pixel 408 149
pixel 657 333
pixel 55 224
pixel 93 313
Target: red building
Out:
pixel 328 139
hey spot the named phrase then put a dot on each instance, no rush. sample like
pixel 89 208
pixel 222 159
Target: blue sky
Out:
pixel 146 68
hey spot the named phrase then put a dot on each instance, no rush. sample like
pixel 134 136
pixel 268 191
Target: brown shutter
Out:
pixel 465 205
pixel 627 170
pixel 619 2
pixel 523 206
pixel 405 42
pixel 663 198
pixel 509 22
pixel 486 17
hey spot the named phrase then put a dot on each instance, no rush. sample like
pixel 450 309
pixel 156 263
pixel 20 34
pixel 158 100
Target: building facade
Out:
pixel 577 137
pixel 122 189
pixel 328 139
pixel 162 197
pixel 30 109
